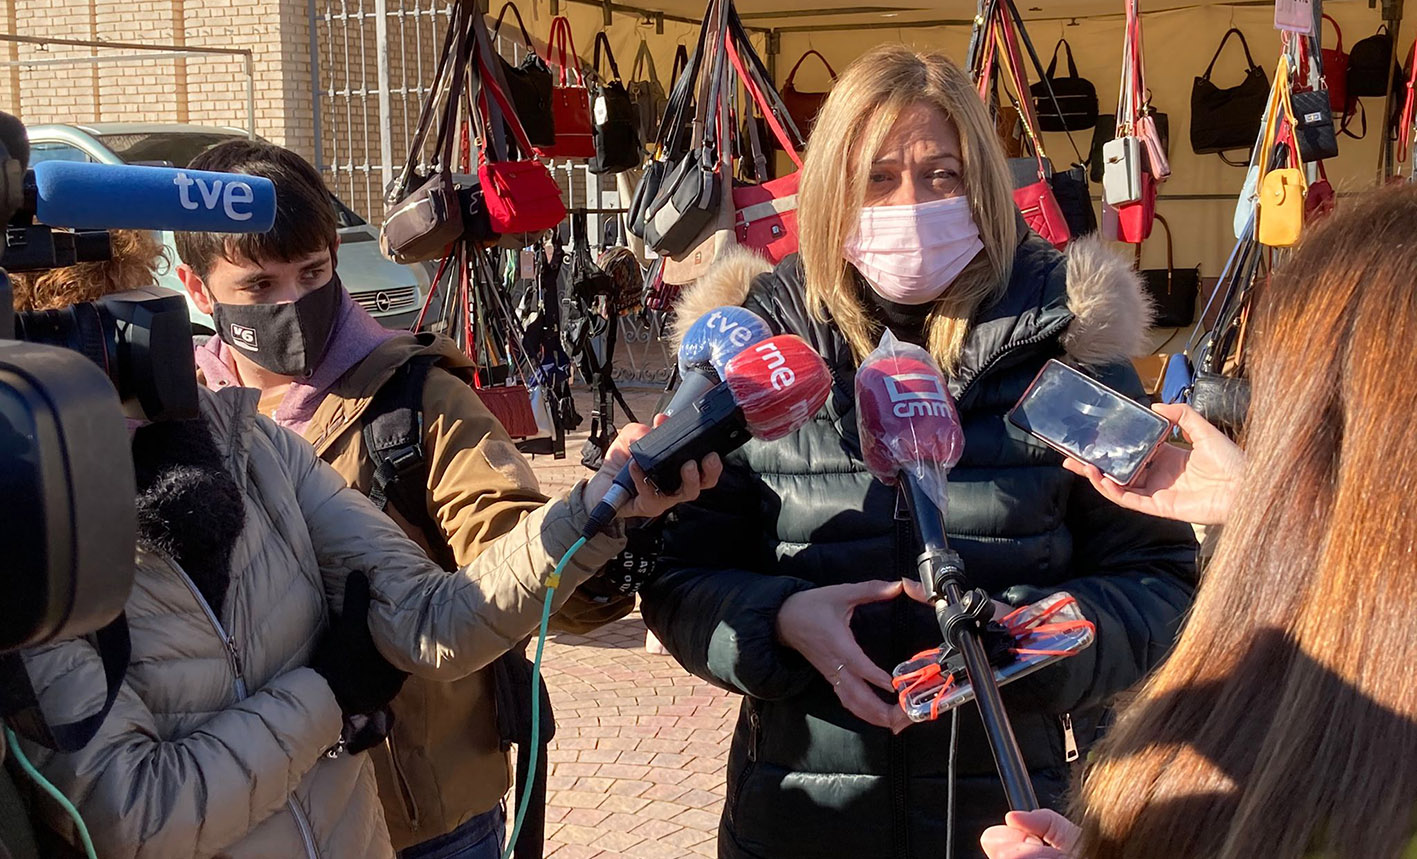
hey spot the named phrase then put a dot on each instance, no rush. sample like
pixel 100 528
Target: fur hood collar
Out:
pixel 1108 313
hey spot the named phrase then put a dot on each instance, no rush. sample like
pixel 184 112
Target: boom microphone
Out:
pixel 130 197
pixel 708 345
pixel 768 391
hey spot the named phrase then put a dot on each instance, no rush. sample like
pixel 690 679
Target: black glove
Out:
pixel 361 678
pixel 630 570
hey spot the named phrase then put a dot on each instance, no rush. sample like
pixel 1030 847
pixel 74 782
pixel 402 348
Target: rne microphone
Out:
pixel 768 390
pixel 131 197
pixel 709 344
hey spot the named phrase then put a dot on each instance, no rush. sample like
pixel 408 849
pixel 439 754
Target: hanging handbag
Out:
pixel 1319 203
pixel 647 95
pixel 1173 293
pixel 1282 189
pixel 1074 200
pixel 1228 119
pixel 617 137
pixel 804 106
pixel 1072 104
pixel 1129 180
pixel 422 225
pixel 570 99
pixel 1335 71
pixel 1313 128
pixel 1107 130
pixel 765 216
pixel 521 195
pixel 528 85
pixel 1370 70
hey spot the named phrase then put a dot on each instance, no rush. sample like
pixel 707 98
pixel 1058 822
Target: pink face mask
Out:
pixel 911 254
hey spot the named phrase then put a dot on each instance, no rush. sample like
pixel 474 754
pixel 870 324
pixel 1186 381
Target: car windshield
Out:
pixel 179 148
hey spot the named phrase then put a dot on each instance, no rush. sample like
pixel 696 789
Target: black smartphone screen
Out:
pixel 1084 419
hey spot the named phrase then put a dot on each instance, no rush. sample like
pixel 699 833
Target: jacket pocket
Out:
pixel 755 734
pixel 410 805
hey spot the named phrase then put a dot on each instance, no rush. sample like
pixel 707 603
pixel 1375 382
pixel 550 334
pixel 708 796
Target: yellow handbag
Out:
pixel 1282 190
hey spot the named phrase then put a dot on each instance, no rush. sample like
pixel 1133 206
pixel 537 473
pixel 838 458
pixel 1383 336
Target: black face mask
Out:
pixel 288 339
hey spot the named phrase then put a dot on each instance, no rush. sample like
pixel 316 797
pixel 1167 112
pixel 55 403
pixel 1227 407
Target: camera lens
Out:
pixel 84 328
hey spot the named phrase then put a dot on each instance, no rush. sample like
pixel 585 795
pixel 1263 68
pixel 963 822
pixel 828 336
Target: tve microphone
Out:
pixel 708 345
pixel 768 390
pixel 129 197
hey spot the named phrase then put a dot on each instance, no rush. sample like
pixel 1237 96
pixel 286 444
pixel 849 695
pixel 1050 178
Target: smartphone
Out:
pixel 1080 417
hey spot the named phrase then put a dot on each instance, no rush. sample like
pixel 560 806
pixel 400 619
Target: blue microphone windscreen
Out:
pixel 720 334
pixel 120 196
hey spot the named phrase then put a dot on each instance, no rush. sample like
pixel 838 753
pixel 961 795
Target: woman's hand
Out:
pixel 1196 485
pixel 817 624
pixel 1041 834
pixel 648 503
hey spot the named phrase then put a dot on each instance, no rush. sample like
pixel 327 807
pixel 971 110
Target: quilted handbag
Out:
pixel 1066 103
pixel 1313 125
pixel 1228 119
pixel 804 106
pixel 528 85
pixel 616 123
pixel 1041 212
pixel 570 99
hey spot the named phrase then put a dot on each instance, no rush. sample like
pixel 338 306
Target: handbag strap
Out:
pixel 1020 33
pixel 681 61
pixel 1409 108
pixel 775 107
pixel 1010 62
pixel 493 100
pixel 1338 46
pixel 447 121
pixel 425 117
pixel 563 47
pixel 792 75
pixel 601 39
pixel 750 82
pixel 497 29
pixel 1053 64
pixel 1170 249
pixel 643 60
pixel 1228 33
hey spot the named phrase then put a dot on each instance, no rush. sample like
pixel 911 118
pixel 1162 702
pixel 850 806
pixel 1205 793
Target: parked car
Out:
pixel 393 293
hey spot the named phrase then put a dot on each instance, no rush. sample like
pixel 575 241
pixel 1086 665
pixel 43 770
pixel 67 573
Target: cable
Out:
pixel 551 584
pixel 14 743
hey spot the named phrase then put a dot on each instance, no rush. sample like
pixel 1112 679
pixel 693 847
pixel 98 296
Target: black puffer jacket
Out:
pixel 805 777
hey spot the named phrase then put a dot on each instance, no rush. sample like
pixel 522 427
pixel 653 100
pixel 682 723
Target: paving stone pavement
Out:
pixel 637 766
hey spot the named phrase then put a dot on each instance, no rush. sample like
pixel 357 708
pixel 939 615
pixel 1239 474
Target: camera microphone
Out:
pixel 768 390
pixel 131 197
pixel 709 344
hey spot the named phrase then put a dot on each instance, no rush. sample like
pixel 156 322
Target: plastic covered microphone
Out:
pixel 708 345
pixel 768 390
pixel 120 196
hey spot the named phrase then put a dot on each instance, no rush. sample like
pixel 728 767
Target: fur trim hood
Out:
pixel 1110 311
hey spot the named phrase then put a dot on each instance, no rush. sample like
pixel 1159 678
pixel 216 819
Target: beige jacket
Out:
pixel 216 743
pixel 443 763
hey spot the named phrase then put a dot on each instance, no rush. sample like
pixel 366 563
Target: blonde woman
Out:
pixel 785 583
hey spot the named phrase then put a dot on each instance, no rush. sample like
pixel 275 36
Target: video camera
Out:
pixel 72 380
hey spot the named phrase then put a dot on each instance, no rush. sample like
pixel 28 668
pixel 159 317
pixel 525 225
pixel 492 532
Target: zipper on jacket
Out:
pixel 996 357
pixel 755 724
pixel 1070 740
pixel 410 807
pixel 897 765
pixel 233 658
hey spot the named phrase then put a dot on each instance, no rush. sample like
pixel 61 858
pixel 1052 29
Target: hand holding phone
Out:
pixel 1084 419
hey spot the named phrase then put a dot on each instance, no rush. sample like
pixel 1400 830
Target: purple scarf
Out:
pixel 355 335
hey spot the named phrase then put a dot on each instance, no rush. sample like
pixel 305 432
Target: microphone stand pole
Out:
pixel 962 613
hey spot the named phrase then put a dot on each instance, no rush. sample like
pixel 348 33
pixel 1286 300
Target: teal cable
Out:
pixel 50 789
pixel 522 803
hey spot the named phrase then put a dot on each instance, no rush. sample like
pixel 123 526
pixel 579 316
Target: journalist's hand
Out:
pixel 817 624
pixel 647 503
pixel 1196 485
pixel 1041 834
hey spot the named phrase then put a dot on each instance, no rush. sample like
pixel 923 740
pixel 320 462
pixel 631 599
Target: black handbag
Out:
pixel 1106 130
pixel 1224 401
pixel 614 119
pixel 1370 66
pixel 529 87
pixel 1070 190
pixel 647 94
pixel 1313 117
pixel 1227 119
pixel 1173 293
pixel 1072 106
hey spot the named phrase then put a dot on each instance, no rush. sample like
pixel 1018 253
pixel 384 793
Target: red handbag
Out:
pixel 766 214
pixel 1041 212
pixel 804 106
pixel 1135 220
pixel 521 196
pixel 1335 63
pixel 570 99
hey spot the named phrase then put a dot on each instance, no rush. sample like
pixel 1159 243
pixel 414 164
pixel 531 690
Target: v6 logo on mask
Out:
pixel 244 337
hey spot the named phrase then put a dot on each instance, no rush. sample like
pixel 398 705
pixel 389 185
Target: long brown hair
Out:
pixel 1285 722
pixel 864 105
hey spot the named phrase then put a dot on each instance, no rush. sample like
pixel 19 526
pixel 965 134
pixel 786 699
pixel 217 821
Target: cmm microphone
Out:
pixel 708 345
pixel 131 197
pixel 768 390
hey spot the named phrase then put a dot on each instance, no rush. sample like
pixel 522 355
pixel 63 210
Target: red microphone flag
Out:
pixel 904 412
pixel 779 384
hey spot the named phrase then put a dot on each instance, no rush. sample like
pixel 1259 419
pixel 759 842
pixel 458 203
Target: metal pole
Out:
pixel 250 64
pixel 386 111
